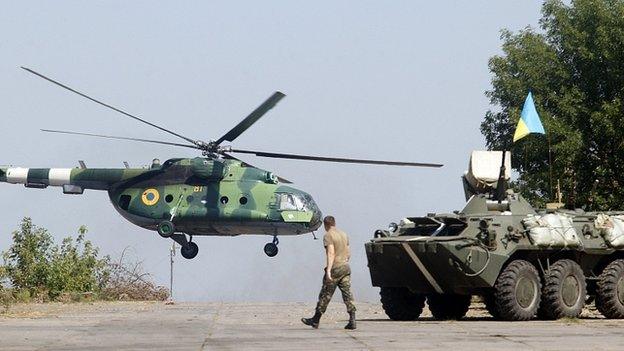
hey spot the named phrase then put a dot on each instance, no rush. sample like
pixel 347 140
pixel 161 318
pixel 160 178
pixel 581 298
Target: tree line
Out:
pixel 35 268
pixel 574 66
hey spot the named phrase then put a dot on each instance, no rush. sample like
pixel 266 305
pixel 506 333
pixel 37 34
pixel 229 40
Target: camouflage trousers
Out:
pixel 341 278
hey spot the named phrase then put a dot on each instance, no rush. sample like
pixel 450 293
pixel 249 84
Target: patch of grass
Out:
pixel 21 296
pixel 570 320
pixel 6 300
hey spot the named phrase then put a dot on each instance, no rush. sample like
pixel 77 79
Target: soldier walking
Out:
pixel 337 273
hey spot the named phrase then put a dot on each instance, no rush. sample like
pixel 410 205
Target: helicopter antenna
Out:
pixel 194 142
pixel 119 138
pixel 253 117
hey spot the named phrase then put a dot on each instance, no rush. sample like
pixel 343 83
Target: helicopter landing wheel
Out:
pixel 271 249
pixel 190 250
pixel 166 229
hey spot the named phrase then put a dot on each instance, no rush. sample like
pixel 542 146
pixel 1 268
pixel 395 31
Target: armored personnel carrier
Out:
pixel 525 263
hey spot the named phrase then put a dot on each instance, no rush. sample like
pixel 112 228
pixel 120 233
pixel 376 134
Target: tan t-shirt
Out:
pixel 339 239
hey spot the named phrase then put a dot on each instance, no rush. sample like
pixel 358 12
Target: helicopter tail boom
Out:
pixel 73 180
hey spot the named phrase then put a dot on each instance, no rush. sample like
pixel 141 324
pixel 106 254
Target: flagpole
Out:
pixel 550 169
pixel 528 123
pixel 501 185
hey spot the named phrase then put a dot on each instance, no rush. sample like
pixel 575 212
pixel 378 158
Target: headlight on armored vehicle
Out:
pixel 380 234
pixel 393 227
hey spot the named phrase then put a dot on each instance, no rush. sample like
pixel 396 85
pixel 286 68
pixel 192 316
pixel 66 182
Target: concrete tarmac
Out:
pixel 276 326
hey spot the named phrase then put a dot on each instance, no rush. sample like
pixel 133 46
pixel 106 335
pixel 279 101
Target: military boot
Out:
pixel 314 321
pixel 351 325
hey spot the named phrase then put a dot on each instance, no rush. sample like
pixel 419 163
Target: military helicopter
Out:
pixel 216 194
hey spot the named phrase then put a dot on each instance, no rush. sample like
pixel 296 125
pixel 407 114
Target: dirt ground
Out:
pixel 276 326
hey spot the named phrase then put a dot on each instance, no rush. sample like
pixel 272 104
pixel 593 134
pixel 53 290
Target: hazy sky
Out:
pixel 399 80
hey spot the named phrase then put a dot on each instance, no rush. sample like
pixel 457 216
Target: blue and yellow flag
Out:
pixel 529 120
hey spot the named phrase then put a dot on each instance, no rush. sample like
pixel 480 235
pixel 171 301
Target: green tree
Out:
pixel 75 267
pixel 5 296
pixel 575 68
pixel 34 264
pixel 27 262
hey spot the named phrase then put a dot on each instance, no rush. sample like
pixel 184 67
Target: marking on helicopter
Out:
pixel 422 268
pixel 150 197
pixel 59 176
pixel 17 175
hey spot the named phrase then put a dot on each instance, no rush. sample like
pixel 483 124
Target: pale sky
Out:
pixel 397 80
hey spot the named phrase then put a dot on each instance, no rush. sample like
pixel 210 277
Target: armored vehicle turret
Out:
pixel 525 263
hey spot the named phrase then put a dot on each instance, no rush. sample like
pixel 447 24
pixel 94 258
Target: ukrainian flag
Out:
pixel 529 120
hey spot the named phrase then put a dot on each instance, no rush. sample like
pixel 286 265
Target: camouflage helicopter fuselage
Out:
pixel 202 196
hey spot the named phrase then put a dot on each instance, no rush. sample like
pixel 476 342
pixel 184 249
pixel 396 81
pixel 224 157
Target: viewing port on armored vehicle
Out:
pixel 525 263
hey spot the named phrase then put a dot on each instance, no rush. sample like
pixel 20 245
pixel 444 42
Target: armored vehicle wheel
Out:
pixel 564 291
pixel 517 291
pixel 271 249
pixel 610 291
pixel 490 305
pixel 190 250
pixel 400 304
pixel 166 229
pixel 448 306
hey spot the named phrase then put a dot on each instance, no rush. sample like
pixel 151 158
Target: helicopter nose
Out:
pixel 317 218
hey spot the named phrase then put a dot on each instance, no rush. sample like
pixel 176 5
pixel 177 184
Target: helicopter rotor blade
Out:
pixel 334 159
pixel 230 157
pixel 253 117
pixel 107 105
pixel 119 138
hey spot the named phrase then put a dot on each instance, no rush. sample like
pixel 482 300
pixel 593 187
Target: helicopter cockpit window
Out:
pixel 291 202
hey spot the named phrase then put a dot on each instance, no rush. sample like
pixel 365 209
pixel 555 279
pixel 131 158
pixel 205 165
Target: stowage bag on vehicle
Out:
pixel 612 229
pixel 551 230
